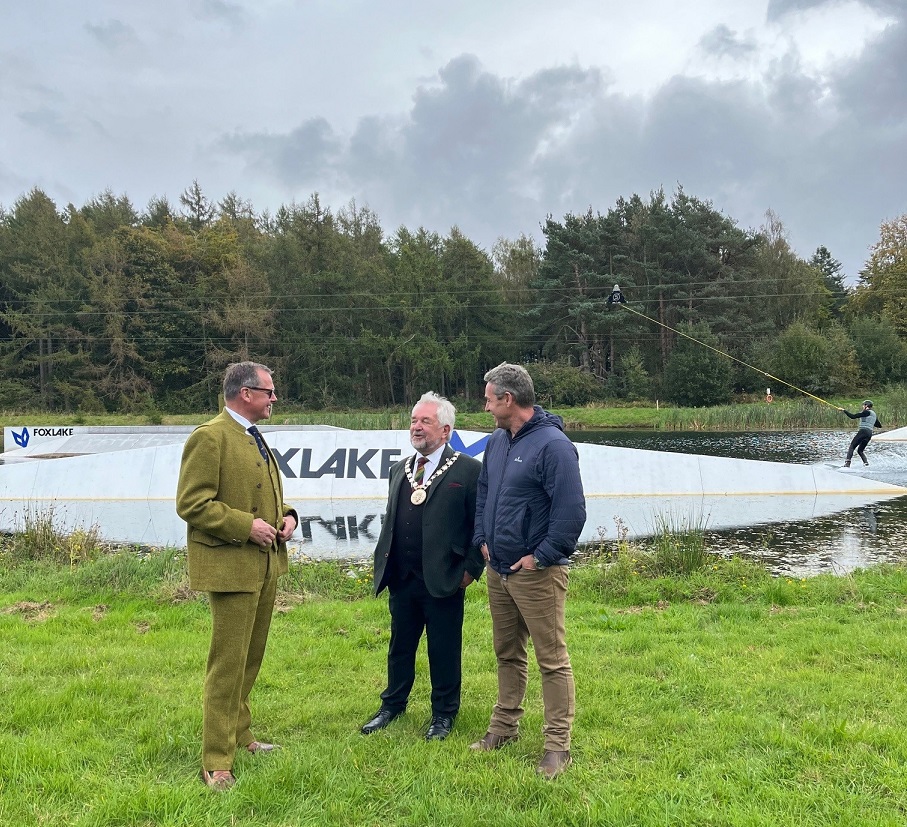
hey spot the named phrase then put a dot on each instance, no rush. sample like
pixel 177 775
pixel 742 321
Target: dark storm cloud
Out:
pixel 723 42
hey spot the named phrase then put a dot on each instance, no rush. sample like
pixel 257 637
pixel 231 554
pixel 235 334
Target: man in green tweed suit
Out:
pixel 231 496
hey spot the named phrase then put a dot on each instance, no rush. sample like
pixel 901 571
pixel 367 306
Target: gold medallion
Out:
pixel 418 496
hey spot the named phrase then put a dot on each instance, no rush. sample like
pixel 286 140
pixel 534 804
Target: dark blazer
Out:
pixel 447 526
pixel 224 484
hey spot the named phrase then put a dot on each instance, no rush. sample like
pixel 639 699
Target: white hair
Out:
pixel 447 413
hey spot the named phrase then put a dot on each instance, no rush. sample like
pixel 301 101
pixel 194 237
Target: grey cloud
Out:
pixel 874 86
pixel 296 159
pixel 494 156
pixel 481 140
pixel 795 95
pixel 471 151
pixel 785 143
pixel 12 181
pixel 777 9
pixel 723 42
pixel 374 148
pixel 46 120
pixel 219 10
pixel 113 35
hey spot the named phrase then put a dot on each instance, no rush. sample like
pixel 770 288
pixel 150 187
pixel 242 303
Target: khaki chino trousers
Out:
pixel 530 603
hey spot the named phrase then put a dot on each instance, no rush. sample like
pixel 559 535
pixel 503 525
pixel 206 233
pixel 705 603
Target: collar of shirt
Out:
pixel 434 459
pixel 240 418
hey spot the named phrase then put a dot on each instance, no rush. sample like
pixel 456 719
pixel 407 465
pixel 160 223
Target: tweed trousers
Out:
pixel 240 622
pixel 530 603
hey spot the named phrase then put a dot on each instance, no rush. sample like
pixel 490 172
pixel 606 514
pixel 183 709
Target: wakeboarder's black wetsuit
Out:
pixel 868 421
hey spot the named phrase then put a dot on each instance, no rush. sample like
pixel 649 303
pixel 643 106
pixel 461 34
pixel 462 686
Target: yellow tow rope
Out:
pixel 740 361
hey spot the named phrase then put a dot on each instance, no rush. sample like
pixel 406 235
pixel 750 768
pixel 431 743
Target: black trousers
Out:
pixel 413 610
pixel 858 443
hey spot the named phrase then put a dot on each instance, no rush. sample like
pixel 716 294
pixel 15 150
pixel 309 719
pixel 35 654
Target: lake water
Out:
pixel 849 539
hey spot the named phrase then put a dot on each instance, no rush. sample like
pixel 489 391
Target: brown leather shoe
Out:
pixel 260 746
pixel 491 741
pixel 553 763
pixel 218 780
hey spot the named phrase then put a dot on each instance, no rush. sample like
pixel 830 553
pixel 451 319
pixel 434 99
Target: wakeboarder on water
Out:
pixel 868 420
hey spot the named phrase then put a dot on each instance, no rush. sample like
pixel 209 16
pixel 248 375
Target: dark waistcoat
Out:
pixel 406 548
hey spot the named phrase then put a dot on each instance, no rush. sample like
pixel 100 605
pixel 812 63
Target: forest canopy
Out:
pixel 109 308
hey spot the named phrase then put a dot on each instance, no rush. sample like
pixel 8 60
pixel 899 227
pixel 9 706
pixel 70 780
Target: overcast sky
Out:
pixel 485 114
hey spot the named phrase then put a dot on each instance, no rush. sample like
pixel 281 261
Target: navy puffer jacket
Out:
pixel 530 496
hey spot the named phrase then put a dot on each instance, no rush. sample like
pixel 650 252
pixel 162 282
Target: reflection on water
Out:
pixel 849 539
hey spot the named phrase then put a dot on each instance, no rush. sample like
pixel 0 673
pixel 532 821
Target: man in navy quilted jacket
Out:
pixel 530 511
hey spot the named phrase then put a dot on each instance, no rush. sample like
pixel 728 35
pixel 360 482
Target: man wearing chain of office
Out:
pixel 426 559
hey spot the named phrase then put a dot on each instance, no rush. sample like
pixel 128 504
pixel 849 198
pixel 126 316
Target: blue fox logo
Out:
pixel 21 439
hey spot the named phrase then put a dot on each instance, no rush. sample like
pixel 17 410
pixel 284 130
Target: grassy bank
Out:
pixel 708 692
pixel 782 414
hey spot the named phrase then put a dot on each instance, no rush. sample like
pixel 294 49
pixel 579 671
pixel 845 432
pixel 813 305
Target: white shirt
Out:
pixel 434 460
pixel 239 418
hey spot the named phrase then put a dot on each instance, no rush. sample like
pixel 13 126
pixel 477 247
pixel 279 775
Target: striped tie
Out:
pixel 420 470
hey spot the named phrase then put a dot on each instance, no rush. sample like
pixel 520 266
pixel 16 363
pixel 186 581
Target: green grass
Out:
pixel 708 693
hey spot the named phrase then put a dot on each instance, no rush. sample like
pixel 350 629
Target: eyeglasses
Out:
pixel 269 391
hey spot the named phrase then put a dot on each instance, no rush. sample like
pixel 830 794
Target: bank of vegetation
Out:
pixel 745 415
pixel 708 692
pixel 105 308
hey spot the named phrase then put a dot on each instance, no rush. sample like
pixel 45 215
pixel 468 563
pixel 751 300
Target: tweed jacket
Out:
pixel 447 526
pixel 224 484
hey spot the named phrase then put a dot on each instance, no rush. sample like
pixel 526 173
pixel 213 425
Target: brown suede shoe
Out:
pixel 260 746
pixel 218 780
pixel 491 741
pixel 553 763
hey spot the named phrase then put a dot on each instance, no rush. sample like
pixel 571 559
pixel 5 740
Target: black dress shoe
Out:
pixel 380 720
pixel 439 728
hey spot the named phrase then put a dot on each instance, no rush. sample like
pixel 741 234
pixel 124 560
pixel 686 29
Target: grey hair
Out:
pixel 515 380
pixel 447 413
pixel 241 375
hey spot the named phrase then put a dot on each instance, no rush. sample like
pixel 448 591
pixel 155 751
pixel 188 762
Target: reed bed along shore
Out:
pixel 708 693
pixel 783 414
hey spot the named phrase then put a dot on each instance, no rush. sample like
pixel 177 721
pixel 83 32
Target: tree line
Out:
pixel 108 308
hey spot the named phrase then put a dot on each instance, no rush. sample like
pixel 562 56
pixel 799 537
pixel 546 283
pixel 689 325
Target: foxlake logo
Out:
pixel 350 463
pixel 22 438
